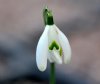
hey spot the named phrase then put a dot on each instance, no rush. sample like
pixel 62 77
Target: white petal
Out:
pixel 50 58
pixel 42 51
pixel 52 34
pixel 65 46
pixel 56 57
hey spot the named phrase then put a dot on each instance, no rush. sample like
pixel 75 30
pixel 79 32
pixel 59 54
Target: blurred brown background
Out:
pixel 21 24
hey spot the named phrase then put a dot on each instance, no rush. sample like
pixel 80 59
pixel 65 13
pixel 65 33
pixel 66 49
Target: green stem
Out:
pixel 52 73
pixel 48 17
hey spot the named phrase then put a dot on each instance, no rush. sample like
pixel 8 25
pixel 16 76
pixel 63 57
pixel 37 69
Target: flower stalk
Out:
pixel 52 73
pixel 48 17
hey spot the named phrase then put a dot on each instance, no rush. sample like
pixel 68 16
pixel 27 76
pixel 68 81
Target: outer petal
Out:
pixel 65 46
pixel 42 51
pixel 53 36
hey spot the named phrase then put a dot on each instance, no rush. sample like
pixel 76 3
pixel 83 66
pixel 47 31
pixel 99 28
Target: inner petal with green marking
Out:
pixel 55 45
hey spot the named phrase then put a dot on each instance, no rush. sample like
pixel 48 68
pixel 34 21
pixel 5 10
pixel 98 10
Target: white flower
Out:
pixel 54 46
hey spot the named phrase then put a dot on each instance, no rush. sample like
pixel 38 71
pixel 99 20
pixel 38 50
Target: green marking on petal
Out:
pixel 54 45
pixel 60 52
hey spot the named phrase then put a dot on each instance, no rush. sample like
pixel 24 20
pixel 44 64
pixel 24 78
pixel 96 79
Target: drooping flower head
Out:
pixel 53 45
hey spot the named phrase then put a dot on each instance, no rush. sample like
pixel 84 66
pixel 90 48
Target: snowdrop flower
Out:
pixel 53 45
